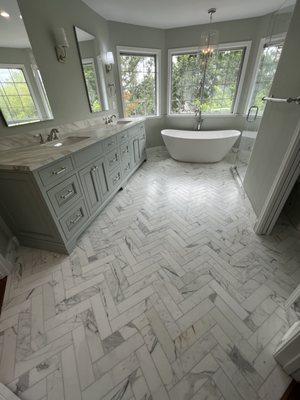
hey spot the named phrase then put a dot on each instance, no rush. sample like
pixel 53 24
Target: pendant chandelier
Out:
pixel 209 39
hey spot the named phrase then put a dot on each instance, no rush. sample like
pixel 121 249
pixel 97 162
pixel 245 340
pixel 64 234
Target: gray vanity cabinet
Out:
pixel 51 206
pixel 24 210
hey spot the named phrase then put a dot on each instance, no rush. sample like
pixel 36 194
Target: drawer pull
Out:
pixel 76 219
pixel 69 193
pixel 125 150
pixel 117 178
pixel 94 168
pixel 60 171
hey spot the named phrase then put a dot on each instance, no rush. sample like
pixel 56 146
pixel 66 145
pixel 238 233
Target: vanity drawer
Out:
pixel 126 166
pixel 125 151
pixel 109 143
pixel 74 219
pixel 56 172
pixel 115 179
pixel 85 156
pixel 112 160
pixel 64 194
pixel 123 137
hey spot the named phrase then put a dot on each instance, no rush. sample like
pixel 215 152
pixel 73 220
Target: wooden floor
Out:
pixel 292 392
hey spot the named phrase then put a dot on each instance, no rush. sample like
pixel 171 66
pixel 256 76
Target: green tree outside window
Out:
pixel 220 83
pixel 138 80
pixel 16 101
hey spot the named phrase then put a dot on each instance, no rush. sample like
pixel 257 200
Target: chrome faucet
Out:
pixel 199 119
pixel 40 136
pixel 109 119
pixel 52 135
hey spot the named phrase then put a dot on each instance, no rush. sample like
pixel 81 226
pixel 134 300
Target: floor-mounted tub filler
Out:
pixel 199 146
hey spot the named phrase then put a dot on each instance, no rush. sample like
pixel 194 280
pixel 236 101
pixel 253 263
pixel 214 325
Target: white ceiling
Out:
pixel 176 13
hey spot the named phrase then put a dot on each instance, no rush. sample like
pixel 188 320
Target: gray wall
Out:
pixel 251 29
pixel 64 82
pixel 279 121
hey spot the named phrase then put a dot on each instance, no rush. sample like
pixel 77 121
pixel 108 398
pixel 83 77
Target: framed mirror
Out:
pixel 92 69
pixel 23 97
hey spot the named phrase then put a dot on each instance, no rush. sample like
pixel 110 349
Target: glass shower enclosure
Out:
pixel 268 56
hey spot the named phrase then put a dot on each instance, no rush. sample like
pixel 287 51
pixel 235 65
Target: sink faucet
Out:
pixel 52 135
pixel 40 136
pixel 109 119
pixel 199 119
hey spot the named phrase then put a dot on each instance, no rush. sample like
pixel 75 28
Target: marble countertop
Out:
pixel 32 157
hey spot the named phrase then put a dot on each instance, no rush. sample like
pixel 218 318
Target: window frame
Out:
pixel 223 46
pixel 142 52
pixel 43 94
pixel 265 40
pixel 32 94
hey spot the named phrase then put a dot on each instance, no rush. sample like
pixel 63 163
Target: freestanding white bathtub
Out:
pixel 199 146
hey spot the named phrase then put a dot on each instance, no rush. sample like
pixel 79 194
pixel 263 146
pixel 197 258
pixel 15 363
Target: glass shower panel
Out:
pixel 268 56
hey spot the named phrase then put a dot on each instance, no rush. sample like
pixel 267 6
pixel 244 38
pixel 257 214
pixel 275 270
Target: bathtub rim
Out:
pixel 202 137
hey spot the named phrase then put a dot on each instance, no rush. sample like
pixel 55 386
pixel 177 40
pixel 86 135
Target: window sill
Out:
pixel 146 116
pixel 204 115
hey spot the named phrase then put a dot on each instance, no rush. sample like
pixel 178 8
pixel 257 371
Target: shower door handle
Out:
pixel 249 111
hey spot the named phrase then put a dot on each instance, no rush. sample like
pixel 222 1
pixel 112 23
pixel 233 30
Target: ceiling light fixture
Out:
pixel 209 39
pixel 4 14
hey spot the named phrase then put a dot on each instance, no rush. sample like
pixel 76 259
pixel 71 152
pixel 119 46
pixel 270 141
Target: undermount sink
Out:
pixel 120 122
pixel 67 141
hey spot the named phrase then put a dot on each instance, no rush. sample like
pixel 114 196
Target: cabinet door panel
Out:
pixel 142 147
pixel 136 151
pixel 91 186
pixel 103 179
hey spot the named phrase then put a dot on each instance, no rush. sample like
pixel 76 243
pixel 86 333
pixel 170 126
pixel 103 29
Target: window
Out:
pixel 139 71
pixel 223 80
pixel 92 84
pixel 268 60
pixel 16 100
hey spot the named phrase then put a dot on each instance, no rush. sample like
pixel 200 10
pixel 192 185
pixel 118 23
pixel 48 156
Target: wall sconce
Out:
pixel 109 61
pixel 61 44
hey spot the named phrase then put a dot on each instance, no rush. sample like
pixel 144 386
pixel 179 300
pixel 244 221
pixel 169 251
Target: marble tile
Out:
pixel 83 358
pixel 168 294
pixel 70 376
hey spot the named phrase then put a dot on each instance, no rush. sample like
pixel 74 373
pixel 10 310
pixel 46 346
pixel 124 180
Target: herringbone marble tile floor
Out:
pixel 168 295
